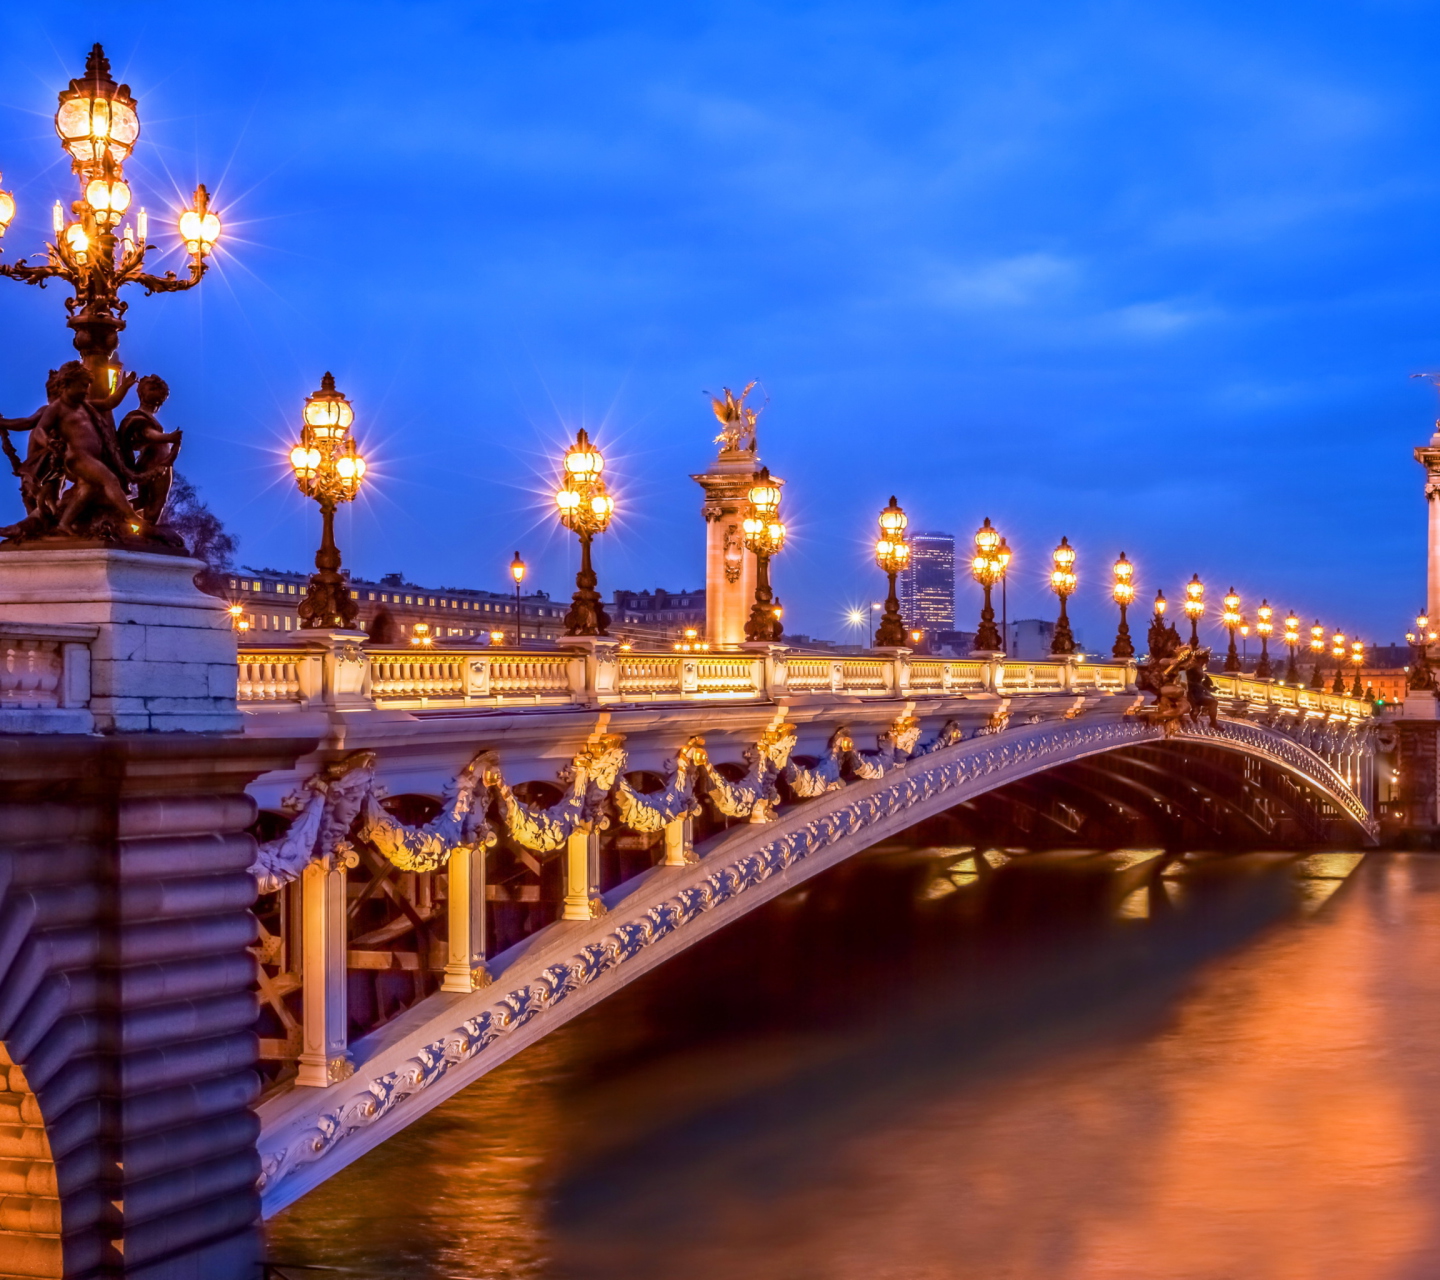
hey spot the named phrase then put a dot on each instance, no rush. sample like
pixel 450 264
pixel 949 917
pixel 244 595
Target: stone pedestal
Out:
pixel 729 579
pixel 602 666
pixel 163 653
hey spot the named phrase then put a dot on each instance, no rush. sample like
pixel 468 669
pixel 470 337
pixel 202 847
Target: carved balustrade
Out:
pixel 45 678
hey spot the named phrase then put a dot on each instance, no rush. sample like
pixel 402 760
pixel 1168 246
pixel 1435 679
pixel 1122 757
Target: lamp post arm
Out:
pixel 27 274
pixel 169 282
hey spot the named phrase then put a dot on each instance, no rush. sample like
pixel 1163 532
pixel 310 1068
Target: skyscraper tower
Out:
pixel 927 585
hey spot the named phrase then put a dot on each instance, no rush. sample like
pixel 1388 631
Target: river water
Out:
pixel 938 1064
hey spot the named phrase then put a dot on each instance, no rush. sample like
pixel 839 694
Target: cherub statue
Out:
pixel 148 449
pixel 92 464
pixel 52 442
pixel 737 421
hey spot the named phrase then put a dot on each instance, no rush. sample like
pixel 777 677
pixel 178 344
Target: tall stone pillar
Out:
pixel 1428 456
pixel 127 1001
pixel 729 568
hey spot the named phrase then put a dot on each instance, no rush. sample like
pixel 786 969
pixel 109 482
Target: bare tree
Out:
pixel 187 515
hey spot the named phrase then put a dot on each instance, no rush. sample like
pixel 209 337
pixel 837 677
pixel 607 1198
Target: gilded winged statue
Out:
pixel 737 421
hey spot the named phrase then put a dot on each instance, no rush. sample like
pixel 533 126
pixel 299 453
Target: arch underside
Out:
pixel 1112 781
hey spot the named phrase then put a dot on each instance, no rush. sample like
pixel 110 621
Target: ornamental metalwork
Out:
pixel 80 478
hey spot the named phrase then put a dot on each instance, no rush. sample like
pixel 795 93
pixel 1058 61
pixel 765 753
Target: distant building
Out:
pixel 1030 638
pixel 657 617
pixel 927 585
pixel 270 599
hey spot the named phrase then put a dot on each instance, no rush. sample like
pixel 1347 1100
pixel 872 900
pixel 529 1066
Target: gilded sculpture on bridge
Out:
pixel 737 421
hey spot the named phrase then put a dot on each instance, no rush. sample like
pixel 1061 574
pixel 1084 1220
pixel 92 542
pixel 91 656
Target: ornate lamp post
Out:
pixel 1263 627
pixel 99 124
pixel 987 569
pixel 765 536
pixel 1003 555
pixel 1062 583
pixel 1317 647
pixel 1421 677
pixel 585 509
pixel 518 568
pixel 1337 649
pixel 329 469
pixel 1292 638
pixel 1194 606
pixel 1158 637
pixel 892 554
pixel 1357 656
pixel 1232 619
pixel 1123 593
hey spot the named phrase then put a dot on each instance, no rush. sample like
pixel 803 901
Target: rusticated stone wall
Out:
pixel 127 1144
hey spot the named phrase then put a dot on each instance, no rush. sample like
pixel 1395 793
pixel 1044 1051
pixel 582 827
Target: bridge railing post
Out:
pixel 324 1054
pixel 768 668
pixel 595 668
pixel 465 917
pixel 334 669
pixel 992 674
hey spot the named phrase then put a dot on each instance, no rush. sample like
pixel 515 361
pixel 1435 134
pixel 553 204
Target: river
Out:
pixel 938 1064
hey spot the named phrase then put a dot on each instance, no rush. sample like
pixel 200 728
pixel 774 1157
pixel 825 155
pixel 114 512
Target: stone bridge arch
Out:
pixel 667 909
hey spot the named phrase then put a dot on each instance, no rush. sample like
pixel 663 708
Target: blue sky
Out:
pixel 1153 276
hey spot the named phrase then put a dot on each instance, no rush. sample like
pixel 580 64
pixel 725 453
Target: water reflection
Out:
pixel 934 1063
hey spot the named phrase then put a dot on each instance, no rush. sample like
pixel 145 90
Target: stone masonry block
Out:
pixel 138 679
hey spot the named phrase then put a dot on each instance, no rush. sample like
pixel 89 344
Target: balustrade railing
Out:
pixel 268 677
pixel 441 677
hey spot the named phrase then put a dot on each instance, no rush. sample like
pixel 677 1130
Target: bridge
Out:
pixel 489 842
pixel 263 904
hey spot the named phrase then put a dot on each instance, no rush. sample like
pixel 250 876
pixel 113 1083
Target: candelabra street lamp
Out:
pixel 329 469
pixel 1421 676
pixel 1317 647
pixel 99 124
pixel 765 536
pixel 1158 638
pixel 1194 607
pixel 517 572
pixel 892 554
pixel 1337 649
pixel 1357 656
pixel 1231 619
pixel 97 252
pixel 585 509
pixel 1123 592
pixel 988 568
pixel 1062 583
pixel 1263 627
pixel 1292 638
pixel 1003 555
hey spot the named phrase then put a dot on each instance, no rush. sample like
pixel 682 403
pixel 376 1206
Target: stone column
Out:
pixel 581 852
pixel 679 851
pixel 465 908
pixel 729 568
pixel 1428 456
pixel 324 1055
